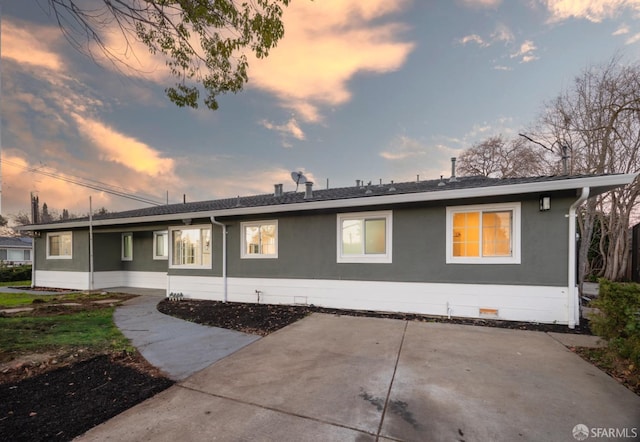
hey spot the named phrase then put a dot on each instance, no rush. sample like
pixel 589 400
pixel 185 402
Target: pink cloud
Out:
pixel 30 44
pixel 327 43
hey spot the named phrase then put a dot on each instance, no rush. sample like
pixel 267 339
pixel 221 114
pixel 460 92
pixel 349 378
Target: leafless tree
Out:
pixel 498 157
pixel 599 117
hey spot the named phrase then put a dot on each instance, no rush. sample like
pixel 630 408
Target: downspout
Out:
pixel 224 255
pixel 573 298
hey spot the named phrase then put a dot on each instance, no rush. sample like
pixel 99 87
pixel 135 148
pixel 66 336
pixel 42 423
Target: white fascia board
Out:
pixel 606 182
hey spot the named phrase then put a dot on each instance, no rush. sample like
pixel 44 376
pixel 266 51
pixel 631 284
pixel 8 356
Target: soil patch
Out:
pixel 262 319
pixel 61 404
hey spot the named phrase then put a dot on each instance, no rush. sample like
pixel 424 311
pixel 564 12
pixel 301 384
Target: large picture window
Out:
pixel 59 245
pixel 259 239
pixel 191 247
pixel 487 234
pixel 365 237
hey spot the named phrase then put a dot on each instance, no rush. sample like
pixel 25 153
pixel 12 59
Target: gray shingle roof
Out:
pixel 13 242
pixel 341 193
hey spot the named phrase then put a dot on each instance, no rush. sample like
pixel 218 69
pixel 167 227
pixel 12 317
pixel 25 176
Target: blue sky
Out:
pixel 368 90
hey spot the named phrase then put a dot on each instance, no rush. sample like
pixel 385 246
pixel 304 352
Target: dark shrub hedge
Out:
pixel 619 317
pixel 15 273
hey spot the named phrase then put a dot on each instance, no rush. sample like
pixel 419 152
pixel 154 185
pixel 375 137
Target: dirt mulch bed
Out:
pixel 262 319
pixel 61 404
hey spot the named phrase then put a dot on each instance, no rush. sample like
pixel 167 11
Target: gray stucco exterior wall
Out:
pixel 80 254
pixel 108 252
pixel 307 249
pixel 307 244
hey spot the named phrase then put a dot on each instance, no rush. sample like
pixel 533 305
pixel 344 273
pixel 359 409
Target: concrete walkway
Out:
pixel 340 378
pixel 179 348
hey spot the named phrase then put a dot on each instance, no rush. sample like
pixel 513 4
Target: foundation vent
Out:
pixel 489 313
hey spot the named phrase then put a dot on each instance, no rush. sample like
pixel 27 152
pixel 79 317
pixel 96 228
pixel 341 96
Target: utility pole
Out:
pixel 35 208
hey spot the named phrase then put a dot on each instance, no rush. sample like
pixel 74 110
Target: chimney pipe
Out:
pixel 453 170
pixel 277 191
pixel 357 183
pixel 308 190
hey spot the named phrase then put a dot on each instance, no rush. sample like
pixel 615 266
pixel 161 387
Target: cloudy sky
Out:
pixel 358 89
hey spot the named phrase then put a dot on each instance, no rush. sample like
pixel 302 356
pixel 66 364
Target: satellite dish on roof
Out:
pixel 298 178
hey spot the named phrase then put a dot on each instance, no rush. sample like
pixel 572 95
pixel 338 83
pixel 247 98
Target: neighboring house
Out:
pixel 15 251
pixel 468 247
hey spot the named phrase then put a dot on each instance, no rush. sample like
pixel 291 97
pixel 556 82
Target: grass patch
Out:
pixel 9 300
pixel 93 329
pixel 26 282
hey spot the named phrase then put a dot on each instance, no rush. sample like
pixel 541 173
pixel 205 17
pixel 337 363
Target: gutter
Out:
pixel 573 306
pixel 224 255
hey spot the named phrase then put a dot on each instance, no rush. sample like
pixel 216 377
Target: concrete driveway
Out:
pixel 341 378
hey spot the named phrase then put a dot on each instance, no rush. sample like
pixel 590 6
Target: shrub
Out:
pixel 15 273
pixel 619 317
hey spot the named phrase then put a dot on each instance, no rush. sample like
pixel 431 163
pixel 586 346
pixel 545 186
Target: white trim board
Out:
pixel 515 303
pixel 102 280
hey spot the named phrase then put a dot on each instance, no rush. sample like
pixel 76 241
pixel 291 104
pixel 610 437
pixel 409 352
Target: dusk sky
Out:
pixel 362 89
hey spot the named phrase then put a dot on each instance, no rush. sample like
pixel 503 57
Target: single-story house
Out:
pixel 15 251
pixel 466 247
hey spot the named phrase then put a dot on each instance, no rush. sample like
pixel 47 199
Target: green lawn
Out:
pixel 92 329
pixel 15 283
pixel 10 300
pixel 88 327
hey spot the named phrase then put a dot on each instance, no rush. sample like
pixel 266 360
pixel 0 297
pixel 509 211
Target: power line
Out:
pixel 84 182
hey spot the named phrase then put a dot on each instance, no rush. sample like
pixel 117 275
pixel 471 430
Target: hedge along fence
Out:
pixel 619 317
pixel 15 273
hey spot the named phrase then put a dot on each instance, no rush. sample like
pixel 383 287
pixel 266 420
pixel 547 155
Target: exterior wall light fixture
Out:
pixel 545 203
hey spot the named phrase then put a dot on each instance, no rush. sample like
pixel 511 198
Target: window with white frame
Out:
pixel 259 239
pixel 15 255
pixel 190 247
pixel 59 245
pixel 161 245
pixel 365 237
pixel 127 246
pixel 484 234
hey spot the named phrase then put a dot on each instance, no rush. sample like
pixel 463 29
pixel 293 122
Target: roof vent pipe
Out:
pixel 308 190
pixel 357 183
pixel 453 170
pixel 277 191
